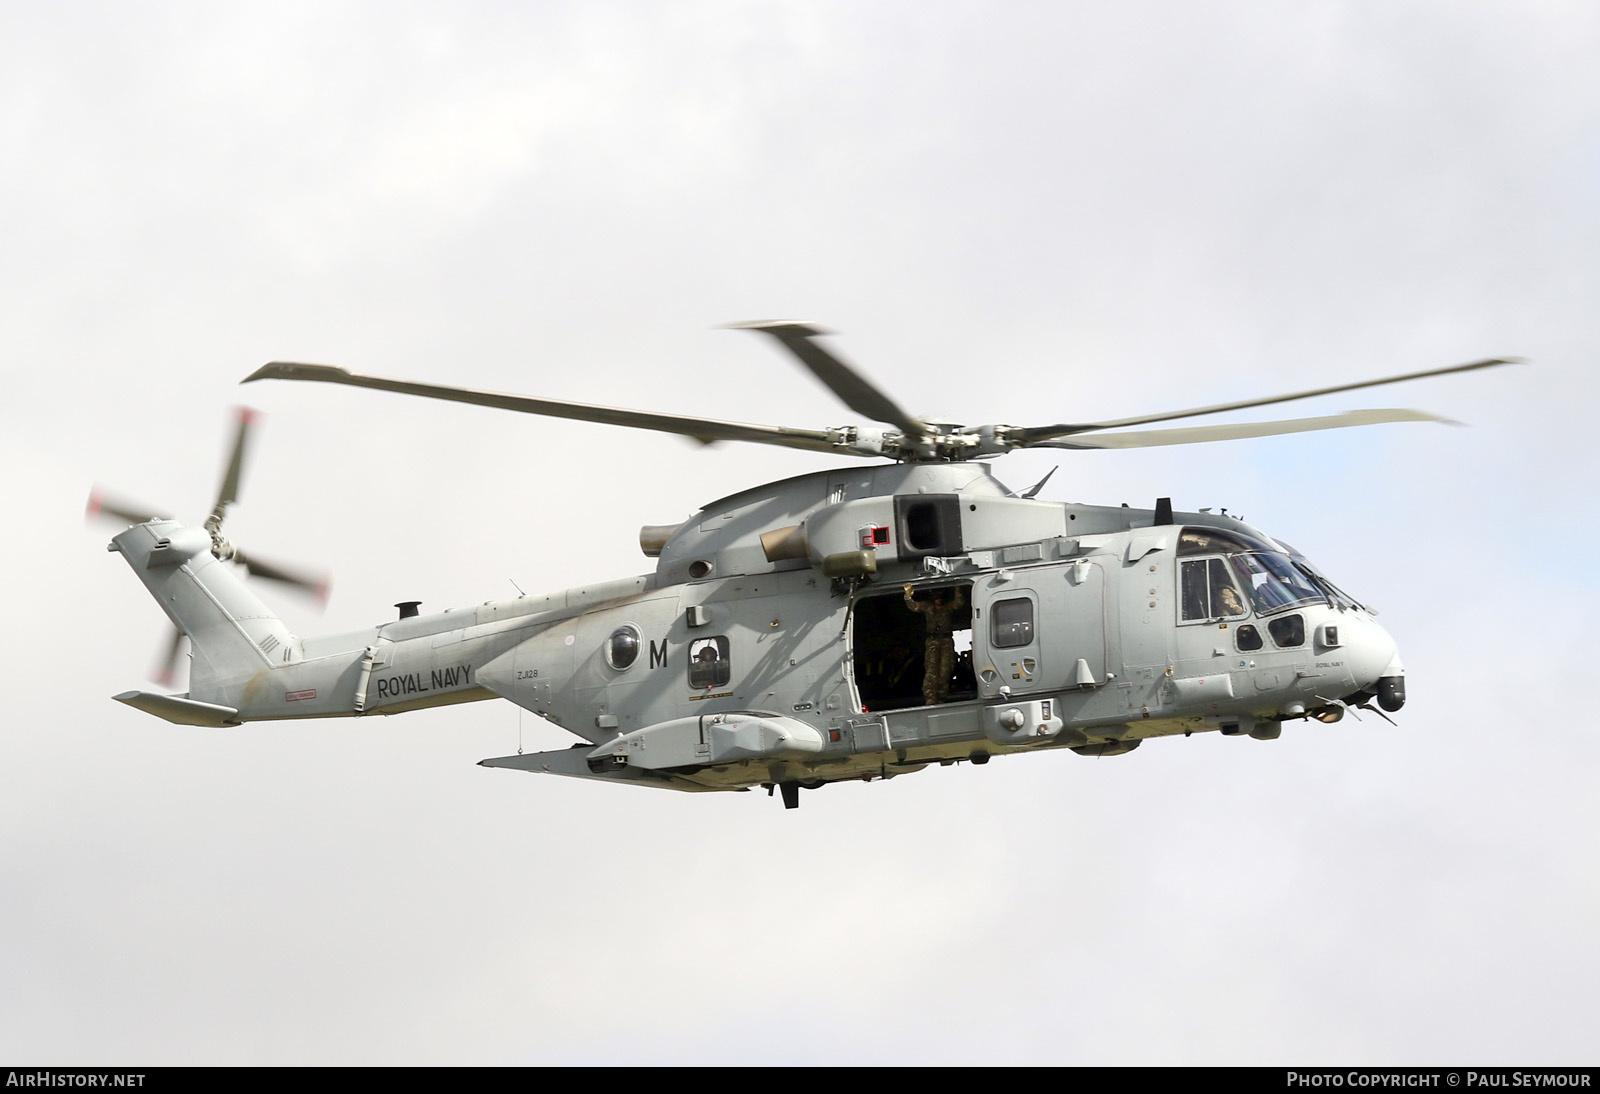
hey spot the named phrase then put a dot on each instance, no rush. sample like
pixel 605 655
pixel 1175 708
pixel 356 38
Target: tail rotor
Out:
pixel 104 505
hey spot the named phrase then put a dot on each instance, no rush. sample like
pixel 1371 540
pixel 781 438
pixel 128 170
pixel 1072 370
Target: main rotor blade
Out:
pixel 704 430
pixel 102 504
pixel 1151 438
pixel 1042 433
pixel 255 566
pixel 228 492
pixel 857 392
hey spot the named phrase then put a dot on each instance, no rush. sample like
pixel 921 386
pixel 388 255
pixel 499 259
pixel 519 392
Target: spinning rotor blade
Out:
pixel 103 505
pixel 256 566
pixel 228 492
pixel 166 670
pixel 1151 438
pixel 704 430
pixel 916 439
pixel 1034 436
pixel 857 392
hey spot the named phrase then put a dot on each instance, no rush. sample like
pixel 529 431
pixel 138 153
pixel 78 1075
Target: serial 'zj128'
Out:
pixel 851 624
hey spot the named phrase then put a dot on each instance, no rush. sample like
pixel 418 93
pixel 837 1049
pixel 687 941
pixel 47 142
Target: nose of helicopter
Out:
pixel 1375 663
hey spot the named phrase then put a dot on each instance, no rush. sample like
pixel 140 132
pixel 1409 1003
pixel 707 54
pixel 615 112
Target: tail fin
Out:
pixel 234 637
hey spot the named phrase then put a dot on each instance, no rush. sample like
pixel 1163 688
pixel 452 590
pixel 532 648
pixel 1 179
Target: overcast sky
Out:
pixel 1012 212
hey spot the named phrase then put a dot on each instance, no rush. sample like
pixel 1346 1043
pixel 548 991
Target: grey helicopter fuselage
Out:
pixel 774 643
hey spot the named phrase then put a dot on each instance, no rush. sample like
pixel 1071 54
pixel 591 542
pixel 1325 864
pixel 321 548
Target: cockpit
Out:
pixel 1224 574
pixel 1265 595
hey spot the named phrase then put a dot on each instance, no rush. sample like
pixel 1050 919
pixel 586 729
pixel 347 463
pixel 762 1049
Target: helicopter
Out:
pixel 851 624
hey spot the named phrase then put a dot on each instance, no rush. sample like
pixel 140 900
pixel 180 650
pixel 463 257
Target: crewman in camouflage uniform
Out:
pixel 939 657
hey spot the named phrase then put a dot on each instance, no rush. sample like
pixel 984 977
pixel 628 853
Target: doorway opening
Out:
pixel 891 645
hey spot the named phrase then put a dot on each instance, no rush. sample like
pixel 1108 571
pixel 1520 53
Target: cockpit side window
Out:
pixel 1288 631
pixel 1209 592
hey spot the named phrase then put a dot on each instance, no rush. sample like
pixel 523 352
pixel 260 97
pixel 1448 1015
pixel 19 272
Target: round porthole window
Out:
pixel 622 648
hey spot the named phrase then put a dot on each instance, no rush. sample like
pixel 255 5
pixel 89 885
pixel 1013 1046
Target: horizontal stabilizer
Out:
pixel 180 711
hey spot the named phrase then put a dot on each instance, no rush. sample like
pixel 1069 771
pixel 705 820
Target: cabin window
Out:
pixel 622 648
pixel 1208 591
pixel 1011 622
pixel 709 664
pixel 1288 630
pixel 1248 638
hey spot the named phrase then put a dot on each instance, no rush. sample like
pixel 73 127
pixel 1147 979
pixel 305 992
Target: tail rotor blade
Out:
pixel 256 566
pixel 228 492
pixel 166 670
pixel 102 504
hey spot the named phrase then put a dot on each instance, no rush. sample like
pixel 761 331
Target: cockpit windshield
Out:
pixel 1271 579
pixel 1341 599
pixel 1274 582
